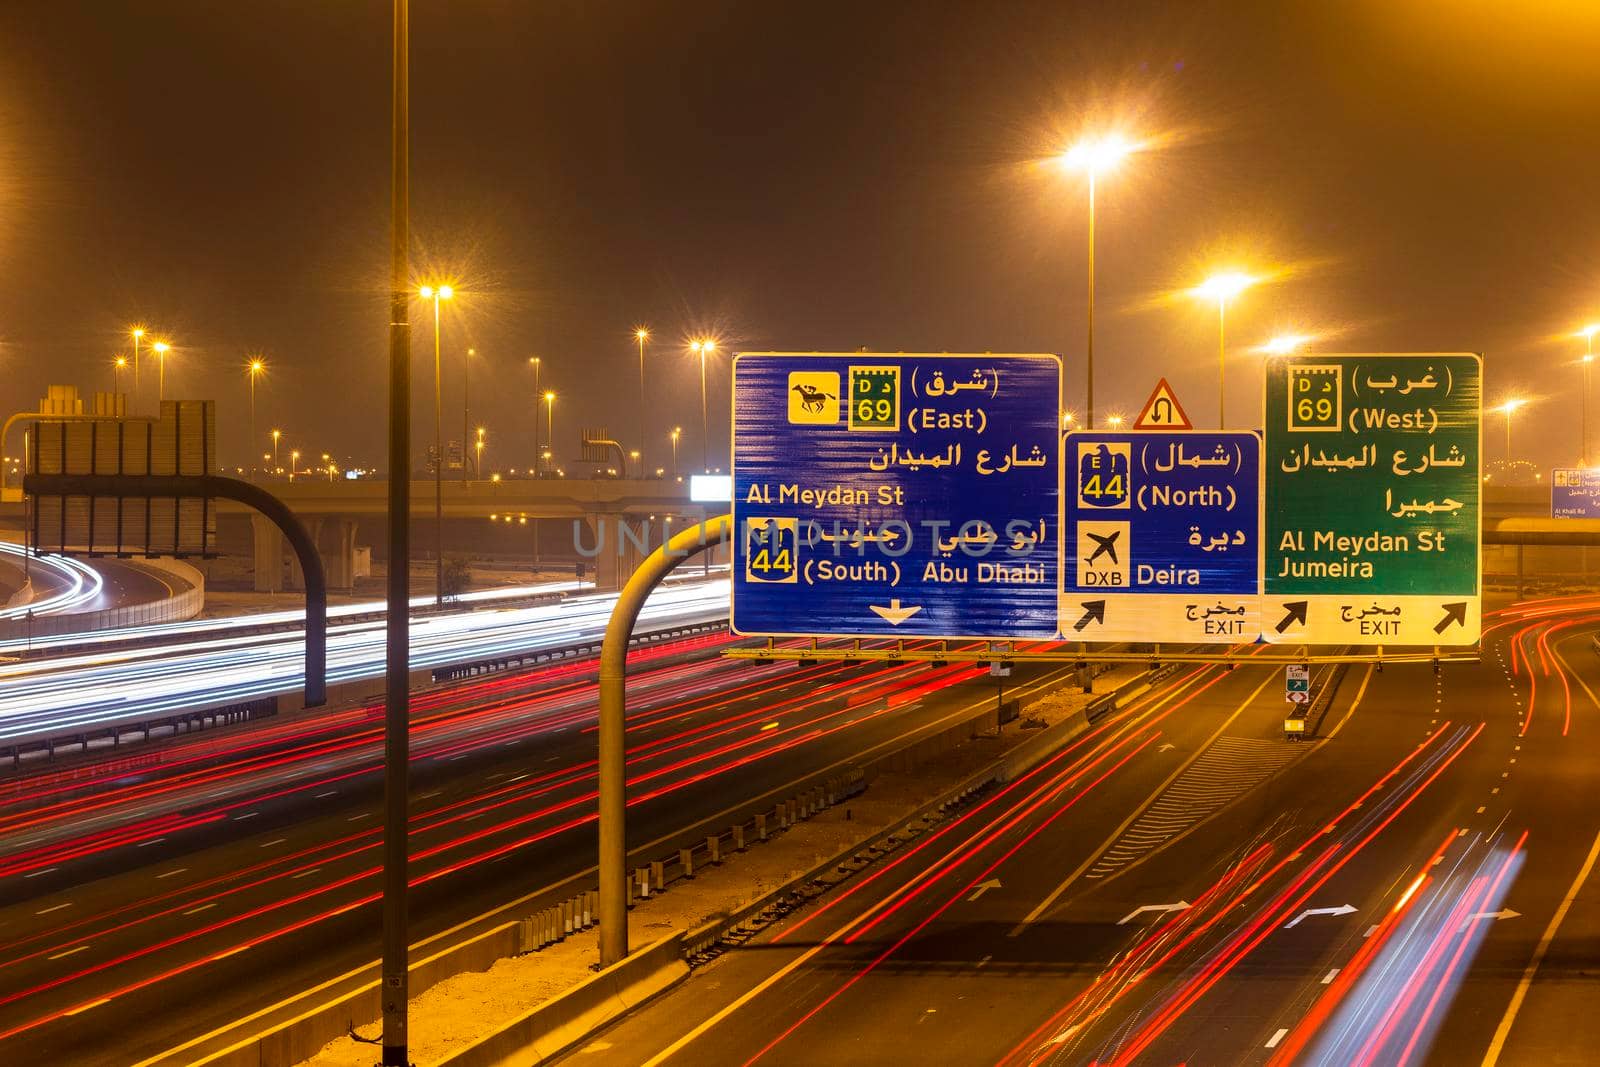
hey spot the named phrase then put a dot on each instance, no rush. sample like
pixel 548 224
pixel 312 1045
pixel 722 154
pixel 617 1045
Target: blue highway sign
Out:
pixel 1575 493
pixel 1162 535
pixel 896 495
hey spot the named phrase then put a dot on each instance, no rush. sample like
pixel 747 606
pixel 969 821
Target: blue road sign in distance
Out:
pixel 1162 536
pixel 895 495
pixel 1575 493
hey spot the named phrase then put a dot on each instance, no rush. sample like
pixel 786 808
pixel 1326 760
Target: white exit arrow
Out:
pixel 1136 912
pixel 1342 909
pixel 894 614
pixel 984 887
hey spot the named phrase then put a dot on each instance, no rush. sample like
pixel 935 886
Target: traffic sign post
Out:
pixel 896 495
pixel 1372 521
pixel 1297 683
pixel 1575 493
pixel 1162 536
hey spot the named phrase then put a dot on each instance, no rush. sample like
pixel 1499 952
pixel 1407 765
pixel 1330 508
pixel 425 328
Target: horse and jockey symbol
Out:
pixel 813 399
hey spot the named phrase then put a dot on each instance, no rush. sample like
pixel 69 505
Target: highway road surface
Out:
pixel 43 699
pixel 1183 886
pixel 146 901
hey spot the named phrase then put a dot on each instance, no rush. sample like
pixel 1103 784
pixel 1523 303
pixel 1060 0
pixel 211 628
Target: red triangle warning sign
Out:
pixel 1162 411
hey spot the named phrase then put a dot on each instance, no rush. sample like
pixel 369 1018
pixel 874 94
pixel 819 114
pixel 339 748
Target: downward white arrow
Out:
pixel 894 614
pixel 1136 912
pixel 1168 747
pixel 1342 909
pixel 1503 913
pixel 984 887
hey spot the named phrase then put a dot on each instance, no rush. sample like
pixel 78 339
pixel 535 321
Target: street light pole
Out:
pixel 1222 288
pixel 1089 386
pixel 436 294
pixel 641 335
pixel 275 435
pixel 466 411
pixel 138 335
pixel 255 369
pixel 538 463
pixel 550 422
pixel 397 624
pixel 677 431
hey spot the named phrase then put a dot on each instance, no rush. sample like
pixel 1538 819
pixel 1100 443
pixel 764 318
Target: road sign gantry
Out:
pixel 1371 493
pixel 1162 536
pixel 896 495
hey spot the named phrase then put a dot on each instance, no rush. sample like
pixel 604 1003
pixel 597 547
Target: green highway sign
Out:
pixel 1371 494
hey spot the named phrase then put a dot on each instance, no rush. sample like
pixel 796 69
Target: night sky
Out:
pixel 786 176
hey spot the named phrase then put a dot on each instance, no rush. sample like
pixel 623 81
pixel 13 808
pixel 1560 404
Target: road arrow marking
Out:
pixel 984 887
pixel 1093 611
pixel 1453 613
pixel 1168 747
pixel 1182 905
pixel 1503 913
pixel 1342 909
pixel 1294 612
pixel 894 614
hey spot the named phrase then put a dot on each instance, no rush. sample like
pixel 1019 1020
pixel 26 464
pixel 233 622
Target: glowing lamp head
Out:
pixel 1588 331
pixel 550 397
pixel 122 361
pixel 641 334
pixel 1114 421
pixel 1284 344
pixel 138 332
pixel 161 348
pixel 1224 287
pixel 257 366
pixel 1096 155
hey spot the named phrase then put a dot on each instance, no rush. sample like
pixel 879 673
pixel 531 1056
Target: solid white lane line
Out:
pixel 1272 1042
pixel 175 870
pixel 58 907
pixel 274 841
pixel 69 952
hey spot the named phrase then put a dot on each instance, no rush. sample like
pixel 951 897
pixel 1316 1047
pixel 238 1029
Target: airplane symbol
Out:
pixel 1104 545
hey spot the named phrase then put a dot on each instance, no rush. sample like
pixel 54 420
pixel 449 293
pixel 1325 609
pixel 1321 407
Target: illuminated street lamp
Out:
pixel 703 348
pixel 137 333
pixel 477 467
pixel 275 435
pixel 255 368
pixel 641 334
pixel 116 372
pixel 161 348
pixel 1508 409
pixel 1587 333
pixel 1067 419
pixel 436 294
pixel 1285 344
pixel 294 462
pixel 550 421
pixel 1222 288
pixel 1114 421
pixel 677 432
pixel 1094 157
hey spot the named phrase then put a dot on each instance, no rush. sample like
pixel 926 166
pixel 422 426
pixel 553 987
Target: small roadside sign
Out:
pixel 1162 411
pixel 1297 683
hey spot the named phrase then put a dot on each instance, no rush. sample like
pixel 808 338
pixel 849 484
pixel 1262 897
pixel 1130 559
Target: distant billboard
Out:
pixel 181 442
pixel 1575 493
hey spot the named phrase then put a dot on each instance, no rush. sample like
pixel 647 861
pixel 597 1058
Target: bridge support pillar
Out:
pixel 297 578
pixel 341 562
pixel 267 546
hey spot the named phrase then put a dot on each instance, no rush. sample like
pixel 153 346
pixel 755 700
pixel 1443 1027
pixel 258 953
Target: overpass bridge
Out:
pixel 622 519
